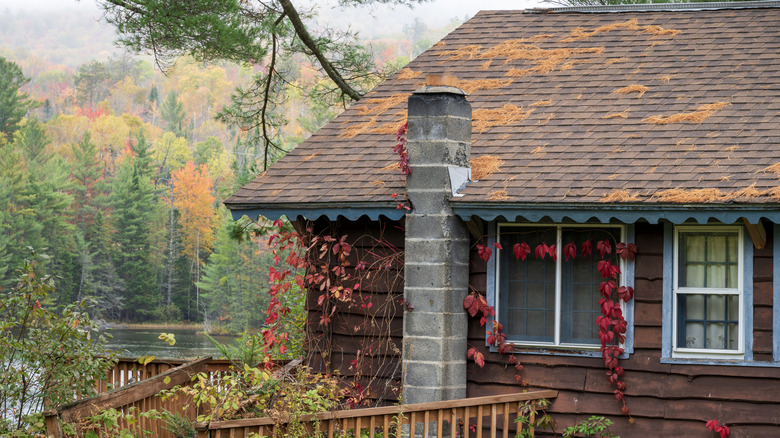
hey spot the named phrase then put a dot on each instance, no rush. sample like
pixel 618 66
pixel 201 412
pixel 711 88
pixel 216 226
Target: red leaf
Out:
pixel 570 250
pixel 606 288
pixel 484 252
pixel 626 293
pixel 586 248
pixel 724 431
pixel 471 304
pixel 553 252
pixel 498 245
pixel 479 358
pixel 521 250
pixel 604 247
pixel 541 250
pixel 712 424
pixel 625 411
pixel 471 352
pixel 512 360
pixel 626 251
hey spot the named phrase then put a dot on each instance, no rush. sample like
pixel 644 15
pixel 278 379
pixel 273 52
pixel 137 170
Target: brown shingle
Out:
pixel 567 150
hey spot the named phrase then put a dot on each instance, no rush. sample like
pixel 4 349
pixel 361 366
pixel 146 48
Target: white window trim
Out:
pixel 626 279
pixel 667 310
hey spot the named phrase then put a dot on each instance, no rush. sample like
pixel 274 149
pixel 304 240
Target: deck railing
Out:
pixel 130 370
pixel 492 416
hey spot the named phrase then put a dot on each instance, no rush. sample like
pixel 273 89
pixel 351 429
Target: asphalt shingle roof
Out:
pixel 673 106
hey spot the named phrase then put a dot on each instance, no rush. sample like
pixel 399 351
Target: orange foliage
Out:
pixel 192 196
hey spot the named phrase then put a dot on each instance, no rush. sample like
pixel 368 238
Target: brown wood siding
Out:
pixel 665 399
pixel 363 338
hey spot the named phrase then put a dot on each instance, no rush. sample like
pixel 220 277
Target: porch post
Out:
pixel 437 244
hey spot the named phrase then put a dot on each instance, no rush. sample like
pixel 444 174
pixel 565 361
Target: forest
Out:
pixel 117 170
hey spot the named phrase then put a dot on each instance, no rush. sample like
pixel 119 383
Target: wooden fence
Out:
pixel 129 370
pixel 129 395
pixel 491 416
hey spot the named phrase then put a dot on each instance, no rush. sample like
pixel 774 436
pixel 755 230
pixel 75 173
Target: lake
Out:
pixel 190 343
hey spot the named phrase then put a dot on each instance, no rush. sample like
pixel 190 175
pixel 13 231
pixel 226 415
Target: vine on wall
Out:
pixel 611 323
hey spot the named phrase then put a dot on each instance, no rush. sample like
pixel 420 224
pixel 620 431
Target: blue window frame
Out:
pixel 550 303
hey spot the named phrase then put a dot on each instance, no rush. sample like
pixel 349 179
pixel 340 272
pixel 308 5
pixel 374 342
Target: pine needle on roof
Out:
pixel 581 33
pixel 699 115
pixel 689 196
pixel 310 157
pixel 620 196
pixel 485 65
pixel 542 103
pixel 466 52
pixel 359 128
pixel 484 166
pixel 498 195
pixel 407 73
pixel 381 104
pixel 546 60
pixel 392 167
pixel 484 119
pixel 472 86
pixel 667 78
pixel 775 168
pixel 615 116
pixel 633 88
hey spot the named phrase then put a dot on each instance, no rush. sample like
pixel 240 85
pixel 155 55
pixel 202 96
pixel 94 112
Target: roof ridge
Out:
pixel 658 7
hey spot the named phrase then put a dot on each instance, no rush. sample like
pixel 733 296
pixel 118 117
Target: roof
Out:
pixel 598 110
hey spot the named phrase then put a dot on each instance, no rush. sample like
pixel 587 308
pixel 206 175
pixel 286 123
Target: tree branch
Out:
pixel 309 42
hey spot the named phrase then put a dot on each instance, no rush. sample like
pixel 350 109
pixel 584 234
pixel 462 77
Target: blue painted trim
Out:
pixel 776 292
pixel 611 213
pixel 349 213
pixel 628 275
pixel 732 363
pixel 490 292
pixel 747 292
pixel 668 303
pixel 491 296
pixel 668 299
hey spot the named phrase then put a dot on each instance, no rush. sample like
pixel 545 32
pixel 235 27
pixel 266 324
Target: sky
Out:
pixel 372 19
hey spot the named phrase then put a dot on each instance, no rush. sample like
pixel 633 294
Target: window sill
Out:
pixel 558 351
pixel 720 362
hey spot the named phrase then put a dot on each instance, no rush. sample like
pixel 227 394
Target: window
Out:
pixel 551 302
pixel 708 296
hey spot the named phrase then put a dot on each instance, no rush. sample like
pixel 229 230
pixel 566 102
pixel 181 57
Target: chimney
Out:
pixel 437 244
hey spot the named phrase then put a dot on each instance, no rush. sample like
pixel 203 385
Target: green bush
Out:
pixel 47 358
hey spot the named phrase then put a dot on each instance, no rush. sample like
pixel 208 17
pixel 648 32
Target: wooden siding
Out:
pixel 665 399
pixel 370 334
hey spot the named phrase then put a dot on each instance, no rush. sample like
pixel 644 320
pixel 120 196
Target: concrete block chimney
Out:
pixel 437 244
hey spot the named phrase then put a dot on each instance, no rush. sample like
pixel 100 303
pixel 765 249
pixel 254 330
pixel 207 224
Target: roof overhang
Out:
pixel 621 213
pixel 313 211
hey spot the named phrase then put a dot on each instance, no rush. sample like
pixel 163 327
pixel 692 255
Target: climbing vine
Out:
pixel 611 323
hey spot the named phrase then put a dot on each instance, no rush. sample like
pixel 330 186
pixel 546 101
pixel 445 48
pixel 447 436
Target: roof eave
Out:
pixel 623 212
pixel 313 211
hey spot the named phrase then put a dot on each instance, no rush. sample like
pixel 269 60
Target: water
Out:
pixel 144 342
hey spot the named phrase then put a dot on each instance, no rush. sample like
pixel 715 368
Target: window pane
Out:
pixel 707 321
pixel 695 306
pixel 527 288
pixel 708 259
pixel 580 281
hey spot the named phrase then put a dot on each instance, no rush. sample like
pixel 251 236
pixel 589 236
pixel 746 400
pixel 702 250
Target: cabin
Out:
pixel 532 138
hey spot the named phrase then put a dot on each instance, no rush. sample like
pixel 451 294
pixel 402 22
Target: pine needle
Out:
pixel 498 195
pixel 620 196
pixel 407 73
pixel 472 86
pixel 484 166
pixel 484 119
pixel 633 88
pixel 699 115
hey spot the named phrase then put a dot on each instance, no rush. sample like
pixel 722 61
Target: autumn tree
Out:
pixel 192 197
pixel 262 33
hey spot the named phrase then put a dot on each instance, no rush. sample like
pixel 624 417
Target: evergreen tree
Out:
pixel 13 103
pixel 172 111
pixel 85 174
pixel 133 201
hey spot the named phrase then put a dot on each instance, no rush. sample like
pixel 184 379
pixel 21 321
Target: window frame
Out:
pixel 556 347
pixel 670 353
